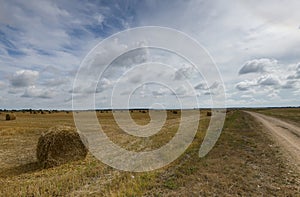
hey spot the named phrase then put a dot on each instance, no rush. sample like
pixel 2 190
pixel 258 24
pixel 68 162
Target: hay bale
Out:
pixel 10 117
pixel 60 145
pixel 208 113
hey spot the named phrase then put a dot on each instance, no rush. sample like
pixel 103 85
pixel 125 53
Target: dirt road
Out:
pixel 285 134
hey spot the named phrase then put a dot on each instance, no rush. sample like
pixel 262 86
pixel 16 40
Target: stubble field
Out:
pixel 244 162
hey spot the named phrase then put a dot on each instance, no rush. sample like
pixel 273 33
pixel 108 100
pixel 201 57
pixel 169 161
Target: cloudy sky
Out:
pixel 255 44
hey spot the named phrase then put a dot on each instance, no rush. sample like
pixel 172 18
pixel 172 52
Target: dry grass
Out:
pixel 10 116
pixel 243 163
pixel 60 145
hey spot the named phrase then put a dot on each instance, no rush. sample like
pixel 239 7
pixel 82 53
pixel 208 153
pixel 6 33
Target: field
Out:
pixel 244 161
pixel 289 114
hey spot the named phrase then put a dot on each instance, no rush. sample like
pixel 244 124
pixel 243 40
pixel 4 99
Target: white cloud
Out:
pixel 296 74
pixel 290 84
pixel 257 66
pixel 201 86
pixel 268 80
pixel 52 37
pixel 245 85
pixel 103 85
pixel 34 92
pixel 24 78
pixel 276 85
pixel 184 72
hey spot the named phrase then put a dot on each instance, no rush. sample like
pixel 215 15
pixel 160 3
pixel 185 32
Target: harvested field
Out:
pixel 243 162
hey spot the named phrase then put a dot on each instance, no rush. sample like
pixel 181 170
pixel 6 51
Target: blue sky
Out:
pixel 255 44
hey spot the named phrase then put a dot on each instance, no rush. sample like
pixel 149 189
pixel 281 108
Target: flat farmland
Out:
pixel 244 161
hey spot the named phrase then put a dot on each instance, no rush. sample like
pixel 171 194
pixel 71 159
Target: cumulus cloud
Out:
pixel 134 57
pixel 245 85
pixel 296 74
pixel 289 85
pixel 276 85
pixel 263 81
pixel 24 78
pixel 257 66
pixel 201 86
pixel 103 85
pixel 71 30
pixel 268 80
pixel 184 72
pixel 273 80
pixel 211 90
pixel 34 92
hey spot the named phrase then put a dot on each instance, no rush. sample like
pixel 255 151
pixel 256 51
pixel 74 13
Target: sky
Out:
pixel 254 44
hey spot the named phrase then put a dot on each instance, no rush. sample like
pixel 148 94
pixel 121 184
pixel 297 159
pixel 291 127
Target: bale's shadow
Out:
pixel 21 169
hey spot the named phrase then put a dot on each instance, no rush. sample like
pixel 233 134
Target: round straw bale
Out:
pixel 208 113
pixel 60 145
pixel 10 117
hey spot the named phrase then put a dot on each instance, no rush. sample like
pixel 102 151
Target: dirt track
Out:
pixel 285 134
